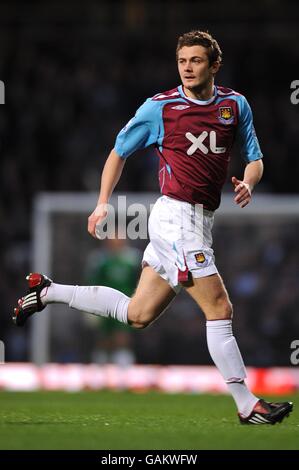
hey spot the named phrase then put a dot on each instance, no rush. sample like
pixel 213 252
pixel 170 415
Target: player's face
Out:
pixel 194 68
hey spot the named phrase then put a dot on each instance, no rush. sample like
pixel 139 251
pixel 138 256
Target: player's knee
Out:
pixel 139 318
pixel 224 309
pixel 139 325
pixel 220 309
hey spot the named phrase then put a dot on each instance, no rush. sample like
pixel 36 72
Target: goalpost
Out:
pixel 60 234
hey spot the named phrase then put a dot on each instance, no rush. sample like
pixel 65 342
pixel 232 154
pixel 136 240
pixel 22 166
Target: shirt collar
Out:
pixel 200 102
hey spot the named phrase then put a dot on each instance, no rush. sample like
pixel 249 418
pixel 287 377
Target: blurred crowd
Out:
pixel 74 76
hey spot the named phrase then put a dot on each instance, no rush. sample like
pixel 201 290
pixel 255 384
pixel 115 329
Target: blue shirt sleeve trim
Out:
pixel 246 136
pixel 141 131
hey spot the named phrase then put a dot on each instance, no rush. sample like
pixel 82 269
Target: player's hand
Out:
pixel 96 218
pixel 243 191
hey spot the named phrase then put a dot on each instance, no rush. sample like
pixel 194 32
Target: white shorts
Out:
pixel 180 241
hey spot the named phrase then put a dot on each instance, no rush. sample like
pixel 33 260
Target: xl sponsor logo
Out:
pixel 198 143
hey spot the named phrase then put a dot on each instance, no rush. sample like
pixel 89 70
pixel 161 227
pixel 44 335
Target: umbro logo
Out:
pixel 180 107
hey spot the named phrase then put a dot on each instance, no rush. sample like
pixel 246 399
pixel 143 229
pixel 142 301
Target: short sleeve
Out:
pixel 141 131
pixel 250 147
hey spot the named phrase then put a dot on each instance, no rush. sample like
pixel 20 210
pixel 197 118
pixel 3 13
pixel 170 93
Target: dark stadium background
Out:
pixel 75 72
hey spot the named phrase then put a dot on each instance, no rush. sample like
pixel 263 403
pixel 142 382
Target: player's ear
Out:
pixel 215 67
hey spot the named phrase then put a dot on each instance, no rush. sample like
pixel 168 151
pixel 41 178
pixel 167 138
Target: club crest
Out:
pixel 226 115
pixel 200 258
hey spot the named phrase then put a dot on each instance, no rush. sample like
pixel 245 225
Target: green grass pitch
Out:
pixel 123 420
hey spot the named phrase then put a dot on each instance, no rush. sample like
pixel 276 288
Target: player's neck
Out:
pixel 200 93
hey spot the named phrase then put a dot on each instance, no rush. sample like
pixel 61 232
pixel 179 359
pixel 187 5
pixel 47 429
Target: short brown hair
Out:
pixel 201 38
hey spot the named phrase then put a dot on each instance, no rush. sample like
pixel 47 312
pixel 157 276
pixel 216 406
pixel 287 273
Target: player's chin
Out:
pixel 191 84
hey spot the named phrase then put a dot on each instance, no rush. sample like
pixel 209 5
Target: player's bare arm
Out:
pixel 252 175
pixel 111 173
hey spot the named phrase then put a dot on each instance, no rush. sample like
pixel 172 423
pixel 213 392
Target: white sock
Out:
pixel 98 300
pixel 57 293
pixel 245 400
pixel 227 358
